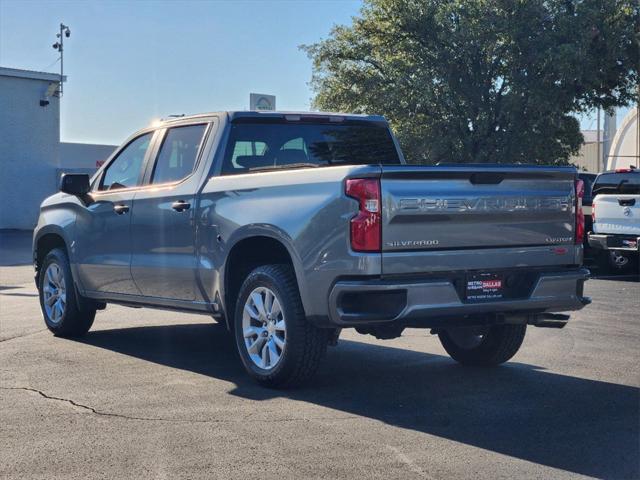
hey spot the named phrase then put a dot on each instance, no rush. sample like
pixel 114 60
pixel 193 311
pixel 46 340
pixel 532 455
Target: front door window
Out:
pixel 125 171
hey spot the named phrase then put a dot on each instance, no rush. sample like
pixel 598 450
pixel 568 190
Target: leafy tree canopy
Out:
pixel 481 80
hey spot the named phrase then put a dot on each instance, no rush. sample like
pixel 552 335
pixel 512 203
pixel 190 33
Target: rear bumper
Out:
pixel 362 302
pixel 607 241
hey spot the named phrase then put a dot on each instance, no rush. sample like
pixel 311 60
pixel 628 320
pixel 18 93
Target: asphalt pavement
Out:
pixel 155 394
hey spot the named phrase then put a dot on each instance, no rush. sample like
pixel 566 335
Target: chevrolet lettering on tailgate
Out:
pixel 507 204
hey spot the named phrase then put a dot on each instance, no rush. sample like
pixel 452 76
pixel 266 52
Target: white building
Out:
pixel 625 147
pixel 589 157
pixel 31 155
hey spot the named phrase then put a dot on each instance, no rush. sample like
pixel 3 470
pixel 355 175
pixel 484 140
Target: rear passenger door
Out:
pixel 163 226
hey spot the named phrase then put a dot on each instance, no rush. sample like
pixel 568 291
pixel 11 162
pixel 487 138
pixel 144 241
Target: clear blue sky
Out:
pixel 130 62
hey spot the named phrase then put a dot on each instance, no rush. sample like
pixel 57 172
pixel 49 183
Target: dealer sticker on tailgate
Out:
pixel 484 286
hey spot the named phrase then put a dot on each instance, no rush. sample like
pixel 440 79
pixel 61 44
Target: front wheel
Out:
pixel 58 299
pixel 277 345
pixel 483 346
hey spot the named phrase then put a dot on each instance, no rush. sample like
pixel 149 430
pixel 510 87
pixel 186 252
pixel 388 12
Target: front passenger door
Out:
pixel 103 245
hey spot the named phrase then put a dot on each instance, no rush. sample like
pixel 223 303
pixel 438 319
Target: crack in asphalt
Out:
pixel 74 403
pixel 21 336
pixel 169 420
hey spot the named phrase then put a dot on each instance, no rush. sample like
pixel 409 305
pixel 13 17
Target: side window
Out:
pixel 295 144
pixel 178 154
pixel 292 152
pixel 243 150
pixel 124 171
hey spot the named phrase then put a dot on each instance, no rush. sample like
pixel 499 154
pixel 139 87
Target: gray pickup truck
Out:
pixel 288 227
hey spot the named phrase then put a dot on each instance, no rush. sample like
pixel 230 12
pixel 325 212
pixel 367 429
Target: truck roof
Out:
pixel 249 114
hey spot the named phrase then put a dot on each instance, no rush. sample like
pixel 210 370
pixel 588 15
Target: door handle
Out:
pixel 626 202
pixel 120 209
pixel 180 206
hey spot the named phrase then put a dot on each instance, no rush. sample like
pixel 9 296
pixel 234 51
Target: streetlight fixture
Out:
pixel 59 46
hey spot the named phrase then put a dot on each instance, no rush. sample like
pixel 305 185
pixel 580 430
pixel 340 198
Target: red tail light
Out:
pixel 579 212
pixel 593 212
pixel 366 225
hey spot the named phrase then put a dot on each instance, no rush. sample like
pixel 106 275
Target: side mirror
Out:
pixel 75 183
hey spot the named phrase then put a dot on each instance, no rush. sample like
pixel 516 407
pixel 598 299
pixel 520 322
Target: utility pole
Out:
pixel 598 156
pixel 59 46
pixel 608 134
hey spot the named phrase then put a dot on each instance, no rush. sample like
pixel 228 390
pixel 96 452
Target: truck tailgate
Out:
pixel 617 214
pixel 476 207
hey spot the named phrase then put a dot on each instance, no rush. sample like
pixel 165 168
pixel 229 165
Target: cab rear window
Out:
pixel 627 183
pixel 266 146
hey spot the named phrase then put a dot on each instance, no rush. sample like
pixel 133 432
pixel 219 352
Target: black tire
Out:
pixel 78 313
pixel 497 345
pixel 305 344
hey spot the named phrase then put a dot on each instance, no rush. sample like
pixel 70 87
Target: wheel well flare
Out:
pixel 244 257
pixel 45 244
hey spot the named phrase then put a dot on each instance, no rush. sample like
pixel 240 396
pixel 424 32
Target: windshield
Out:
pixel 259 146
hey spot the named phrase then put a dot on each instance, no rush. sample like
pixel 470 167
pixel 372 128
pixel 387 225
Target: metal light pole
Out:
pixel 59 45
pixel 608 134
pixel 600 165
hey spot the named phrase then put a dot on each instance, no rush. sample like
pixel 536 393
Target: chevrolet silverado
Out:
pixel 288 227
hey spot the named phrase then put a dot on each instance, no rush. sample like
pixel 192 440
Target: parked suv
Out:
pixel 288 227
pixel 616 218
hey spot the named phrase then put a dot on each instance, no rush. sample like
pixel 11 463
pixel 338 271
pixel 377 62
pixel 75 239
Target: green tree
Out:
pixel 481 80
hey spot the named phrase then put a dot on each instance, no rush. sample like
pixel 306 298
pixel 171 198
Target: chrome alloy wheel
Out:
pixel 264 328
pixel 55 293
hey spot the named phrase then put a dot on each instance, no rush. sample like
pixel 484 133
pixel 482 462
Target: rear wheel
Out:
pixel 277 345
pixel 483 346
pixel 61 307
